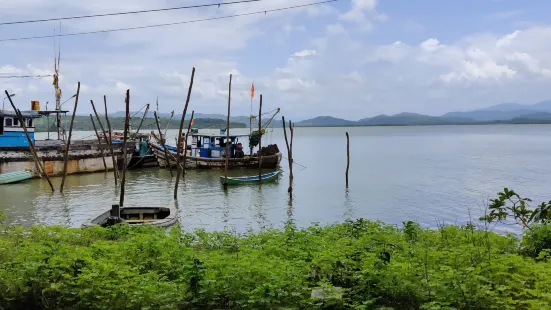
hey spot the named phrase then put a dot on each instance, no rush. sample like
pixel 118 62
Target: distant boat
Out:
pixel 268 177
pixel 17 176
pixel 156 216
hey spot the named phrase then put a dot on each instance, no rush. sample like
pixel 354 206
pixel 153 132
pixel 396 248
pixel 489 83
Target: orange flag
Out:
pixel 252 90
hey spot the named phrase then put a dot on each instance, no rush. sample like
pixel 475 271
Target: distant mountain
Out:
pixel 322 121
pixel 233 119
pixel 413 119
pixel 504 111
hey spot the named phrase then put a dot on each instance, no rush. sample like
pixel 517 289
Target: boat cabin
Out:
pixel 11 131
pixel 214 146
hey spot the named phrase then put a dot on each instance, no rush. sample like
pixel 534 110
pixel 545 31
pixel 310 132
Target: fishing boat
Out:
pixel 15 155
pixel 142 155
pixel 208 151
pixel 156 216
pixel 253 179
pixel 16 176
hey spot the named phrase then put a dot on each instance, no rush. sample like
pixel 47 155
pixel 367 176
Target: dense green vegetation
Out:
pixel 352 265
pixel 117 123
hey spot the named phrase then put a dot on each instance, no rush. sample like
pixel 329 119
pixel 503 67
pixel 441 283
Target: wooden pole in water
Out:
pixel 126 126
pixel 40 169
pixel 185 143
pixel 179 147
pixel 290 189
pixel 163 143
pixel 66 159
pixel 227 137
pixel 99 142
pixel 291 160
pixel 260 141
pixel 347 157
pixel 113 158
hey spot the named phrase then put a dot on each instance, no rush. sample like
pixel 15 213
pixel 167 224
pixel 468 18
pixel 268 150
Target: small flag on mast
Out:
pixel 252 90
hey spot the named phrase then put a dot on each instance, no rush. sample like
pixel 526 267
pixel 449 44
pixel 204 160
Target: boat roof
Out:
pixel 25 114
pixel 218 135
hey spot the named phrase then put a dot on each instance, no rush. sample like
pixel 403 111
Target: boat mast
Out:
pixel 58 92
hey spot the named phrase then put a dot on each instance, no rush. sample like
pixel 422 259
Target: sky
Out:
pixel 349 59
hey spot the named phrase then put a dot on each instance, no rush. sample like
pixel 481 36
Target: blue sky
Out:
pixel 349 59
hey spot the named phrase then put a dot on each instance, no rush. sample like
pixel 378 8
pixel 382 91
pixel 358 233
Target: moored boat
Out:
pixel 16 176
pixel 252 179
pixel 208 151
pixel 142 155
pixel 84 155
pixel 156 216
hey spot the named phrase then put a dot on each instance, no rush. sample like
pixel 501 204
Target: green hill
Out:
pixel 83 123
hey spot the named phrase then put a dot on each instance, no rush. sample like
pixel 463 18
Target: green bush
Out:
pixel 353 265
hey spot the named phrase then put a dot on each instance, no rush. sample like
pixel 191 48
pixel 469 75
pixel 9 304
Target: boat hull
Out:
pixel 139 212
pixel 268 162
pixel 13 177
pixel 84 157
pixel 266 178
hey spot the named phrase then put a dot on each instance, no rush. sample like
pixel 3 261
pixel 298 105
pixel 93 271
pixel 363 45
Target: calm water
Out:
pixel 427 174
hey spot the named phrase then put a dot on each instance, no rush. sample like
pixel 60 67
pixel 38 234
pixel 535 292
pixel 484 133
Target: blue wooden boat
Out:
pixel 17 176
pixel 268 177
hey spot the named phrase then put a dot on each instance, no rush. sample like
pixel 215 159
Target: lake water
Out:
pixel 428 174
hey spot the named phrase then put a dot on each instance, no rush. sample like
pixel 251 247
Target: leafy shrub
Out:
pixel 355 265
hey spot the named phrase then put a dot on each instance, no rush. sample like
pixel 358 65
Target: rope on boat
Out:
pixel 294 162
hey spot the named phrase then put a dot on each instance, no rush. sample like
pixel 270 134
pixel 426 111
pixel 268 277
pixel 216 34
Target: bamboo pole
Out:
pixel 99 142
pixel 68 144
pixel 260 141
pixel 185 144
pixel 143 118
pixel 126 125
pixel 291 160
pixel 227 137
pixel 347 157
pixel 178 146
pixel 289 157
pixel 39 167
pixel 113 158
pixel 162 140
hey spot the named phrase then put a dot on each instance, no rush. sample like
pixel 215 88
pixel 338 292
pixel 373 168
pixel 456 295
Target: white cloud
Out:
pixel 305 53
pixel 9 69
pixel 471 71
pixel 431 45
pixel 362 12
pixel 335 29
pixel 507 39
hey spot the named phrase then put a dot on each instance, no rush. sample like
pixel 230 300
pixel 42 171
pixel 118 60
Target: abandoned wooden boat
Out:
pixel 207 151
pixel 84 155
pixel 156 216
pixel 252 179
pixel 16 176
